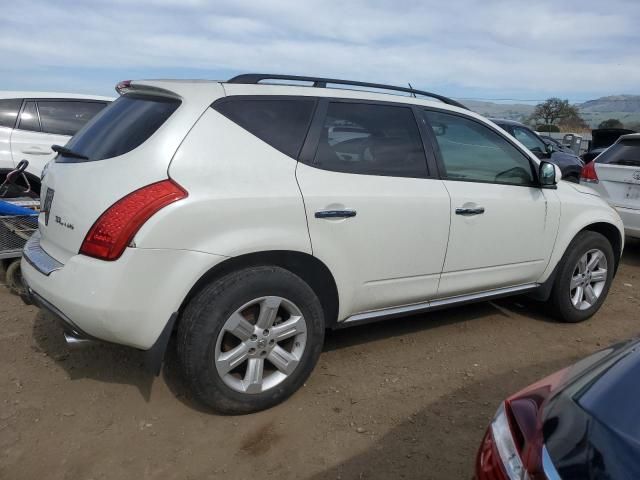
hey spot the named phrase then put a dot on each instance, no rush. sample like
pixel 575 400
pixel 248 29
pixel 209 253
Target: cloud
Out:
pixel 491 47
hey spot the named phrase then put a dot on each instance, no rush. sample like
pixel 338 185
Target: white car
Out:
pixel 224 211
pixel 30 122
pixel 615 174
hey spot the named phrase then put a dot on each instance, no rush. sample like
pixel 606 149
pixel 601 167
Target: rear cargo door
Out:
pixel 125 147
pixel 618 171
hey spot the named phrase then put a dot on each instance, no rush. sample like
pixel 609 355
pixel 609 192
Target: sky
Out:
pixel 484 49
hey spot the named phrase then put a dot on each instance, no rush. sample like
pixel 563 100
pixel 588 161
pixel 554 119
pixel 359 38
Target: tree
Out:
pixel 553 110
pixel 573 123
pixel 611 123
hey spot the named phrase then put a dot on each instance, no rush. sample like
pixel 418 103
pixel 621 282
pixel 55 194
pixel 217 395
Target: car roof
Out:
pixel 63 95
pixel 631 136
pixel 504 121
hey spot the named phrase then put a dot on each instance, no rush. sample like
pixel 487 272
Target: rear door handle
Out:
pixel 335 214
pixel 469 211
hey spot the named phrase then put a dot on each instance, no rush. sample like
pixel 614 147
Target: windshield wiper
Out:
pixel 67 152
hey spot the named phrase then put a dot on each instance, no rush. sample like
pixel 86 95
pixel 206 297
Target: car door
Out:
pixel 377 217
pixel 503 225
pixel 46 122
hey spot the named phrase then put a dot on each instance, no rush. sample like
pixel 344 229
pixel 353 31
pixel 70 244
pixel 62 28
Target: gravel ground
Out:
pixel 409 398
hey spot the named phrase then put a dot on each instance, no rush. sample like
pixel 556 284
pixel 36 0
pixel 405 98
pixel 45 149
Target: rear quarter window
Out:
pixel 626 152
pixel 282 123
pixel 124 125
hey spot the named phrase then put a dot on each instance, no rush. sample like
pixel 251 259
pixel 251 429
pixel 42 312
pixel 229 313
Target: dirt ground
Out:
pixel 409 398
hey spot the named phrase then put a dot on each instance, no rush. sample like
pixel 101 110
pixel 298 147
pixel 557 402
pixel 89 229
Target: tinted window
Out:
pixel 9 111
pixel 122 126
pixel 470 151
pixel 528 139
pixel 282 123
pixel 29 118
pixel 372 140
pixel 626 152
pixel 66 118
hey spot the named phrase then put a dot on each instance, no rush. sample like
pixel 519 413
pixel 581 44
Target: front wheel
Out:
pixel 584 278
pixel 250 339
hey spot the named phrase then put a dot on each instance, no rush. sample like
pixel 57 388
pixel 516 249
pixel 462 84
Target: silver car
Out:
pixel 615 174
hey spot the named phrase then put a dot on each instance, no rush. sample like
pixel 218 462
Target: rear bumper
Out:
pixel 631 220
pixel 128 301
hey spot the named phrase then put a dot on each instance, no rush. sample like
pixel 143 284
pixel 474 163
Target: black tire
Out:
pixel 205 316
pixel 13 278
pixel 560 299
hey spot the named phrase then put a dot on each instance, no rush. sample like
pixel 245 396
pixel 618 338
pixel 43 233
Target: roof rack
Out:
pixel 319 82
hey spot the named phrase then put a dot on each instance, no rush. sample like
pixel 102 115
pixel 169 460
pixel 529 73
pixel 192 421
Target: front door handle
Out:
pixel 335 214
pixel 469 211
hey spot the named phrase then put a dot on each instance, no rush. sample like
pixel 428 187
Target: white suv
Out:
pixel 30 122
pixel 249 217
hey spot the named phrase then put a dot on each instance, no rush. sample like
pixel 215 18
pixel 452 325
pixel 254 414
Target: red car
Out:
pixel 582 422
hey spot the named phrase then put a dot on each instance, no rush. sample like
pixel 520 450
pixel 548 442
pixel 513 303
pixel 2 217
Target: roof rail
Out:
pixel 320 82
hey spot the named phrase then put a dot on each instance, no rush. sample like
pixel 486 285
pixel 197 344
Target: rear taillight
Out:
pixel 512 447
pixel 115 228
pixel 499 457
pixel 589 173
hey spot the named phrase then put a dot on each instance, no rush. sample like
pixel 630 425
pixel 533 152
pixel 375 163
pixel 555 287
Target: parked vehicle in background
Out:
pixel 582 422
pixel 615 175
pixel 601 139
pixel 556 144
pixel 569 164
pixel 30 122
pixel 239 214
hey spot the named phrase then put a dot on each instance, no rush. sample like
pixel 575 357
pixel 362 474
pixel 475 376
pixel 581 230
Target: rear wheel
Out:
pixel 250 339
pixel 584 277
pixel 13 278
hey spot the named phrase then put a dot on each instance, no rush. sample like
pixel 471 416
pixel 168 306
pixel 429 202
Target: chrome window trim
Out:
pixel 548 467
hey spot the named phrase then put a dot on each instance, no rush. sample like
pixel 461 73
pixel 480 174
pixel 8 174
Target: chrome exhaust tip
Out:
pixel 76 342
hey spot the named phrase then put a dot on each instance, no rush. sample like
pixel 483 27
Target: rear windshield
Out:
pixel 626 152
pixel 124 125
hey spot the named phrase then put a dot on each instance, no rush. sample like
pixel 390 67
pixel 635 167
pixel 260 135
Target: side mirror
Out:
pixel 549 175
pixel 549 148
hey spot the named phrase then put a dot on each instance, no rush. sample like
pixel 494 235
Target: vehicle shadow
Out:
pixel 440 441
pixel 103 362
pixel 508 307
pixel 117 364
pixel 631 254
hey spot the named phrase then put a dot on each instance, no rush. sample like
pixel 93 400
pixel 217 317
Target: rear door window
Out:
pixel 29 118
pixel 371 139
pixel 9 109
pixel 625 152
pixel 282 123
pixel 124 125
pixel 66 117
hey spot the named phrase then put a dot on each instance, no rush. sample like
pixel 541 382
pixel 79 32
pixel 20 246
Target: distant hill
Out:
pixel 613 103
pixel 625 108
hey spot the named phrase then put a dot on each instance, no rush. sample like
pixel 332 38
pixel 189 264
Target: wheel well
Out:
pixel 612 234
pixel 306 266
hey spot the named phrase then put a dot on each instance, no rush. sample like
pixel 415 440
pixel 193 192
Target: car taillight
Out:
pixel 512 447
pixel 589 173
pixel 114 230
